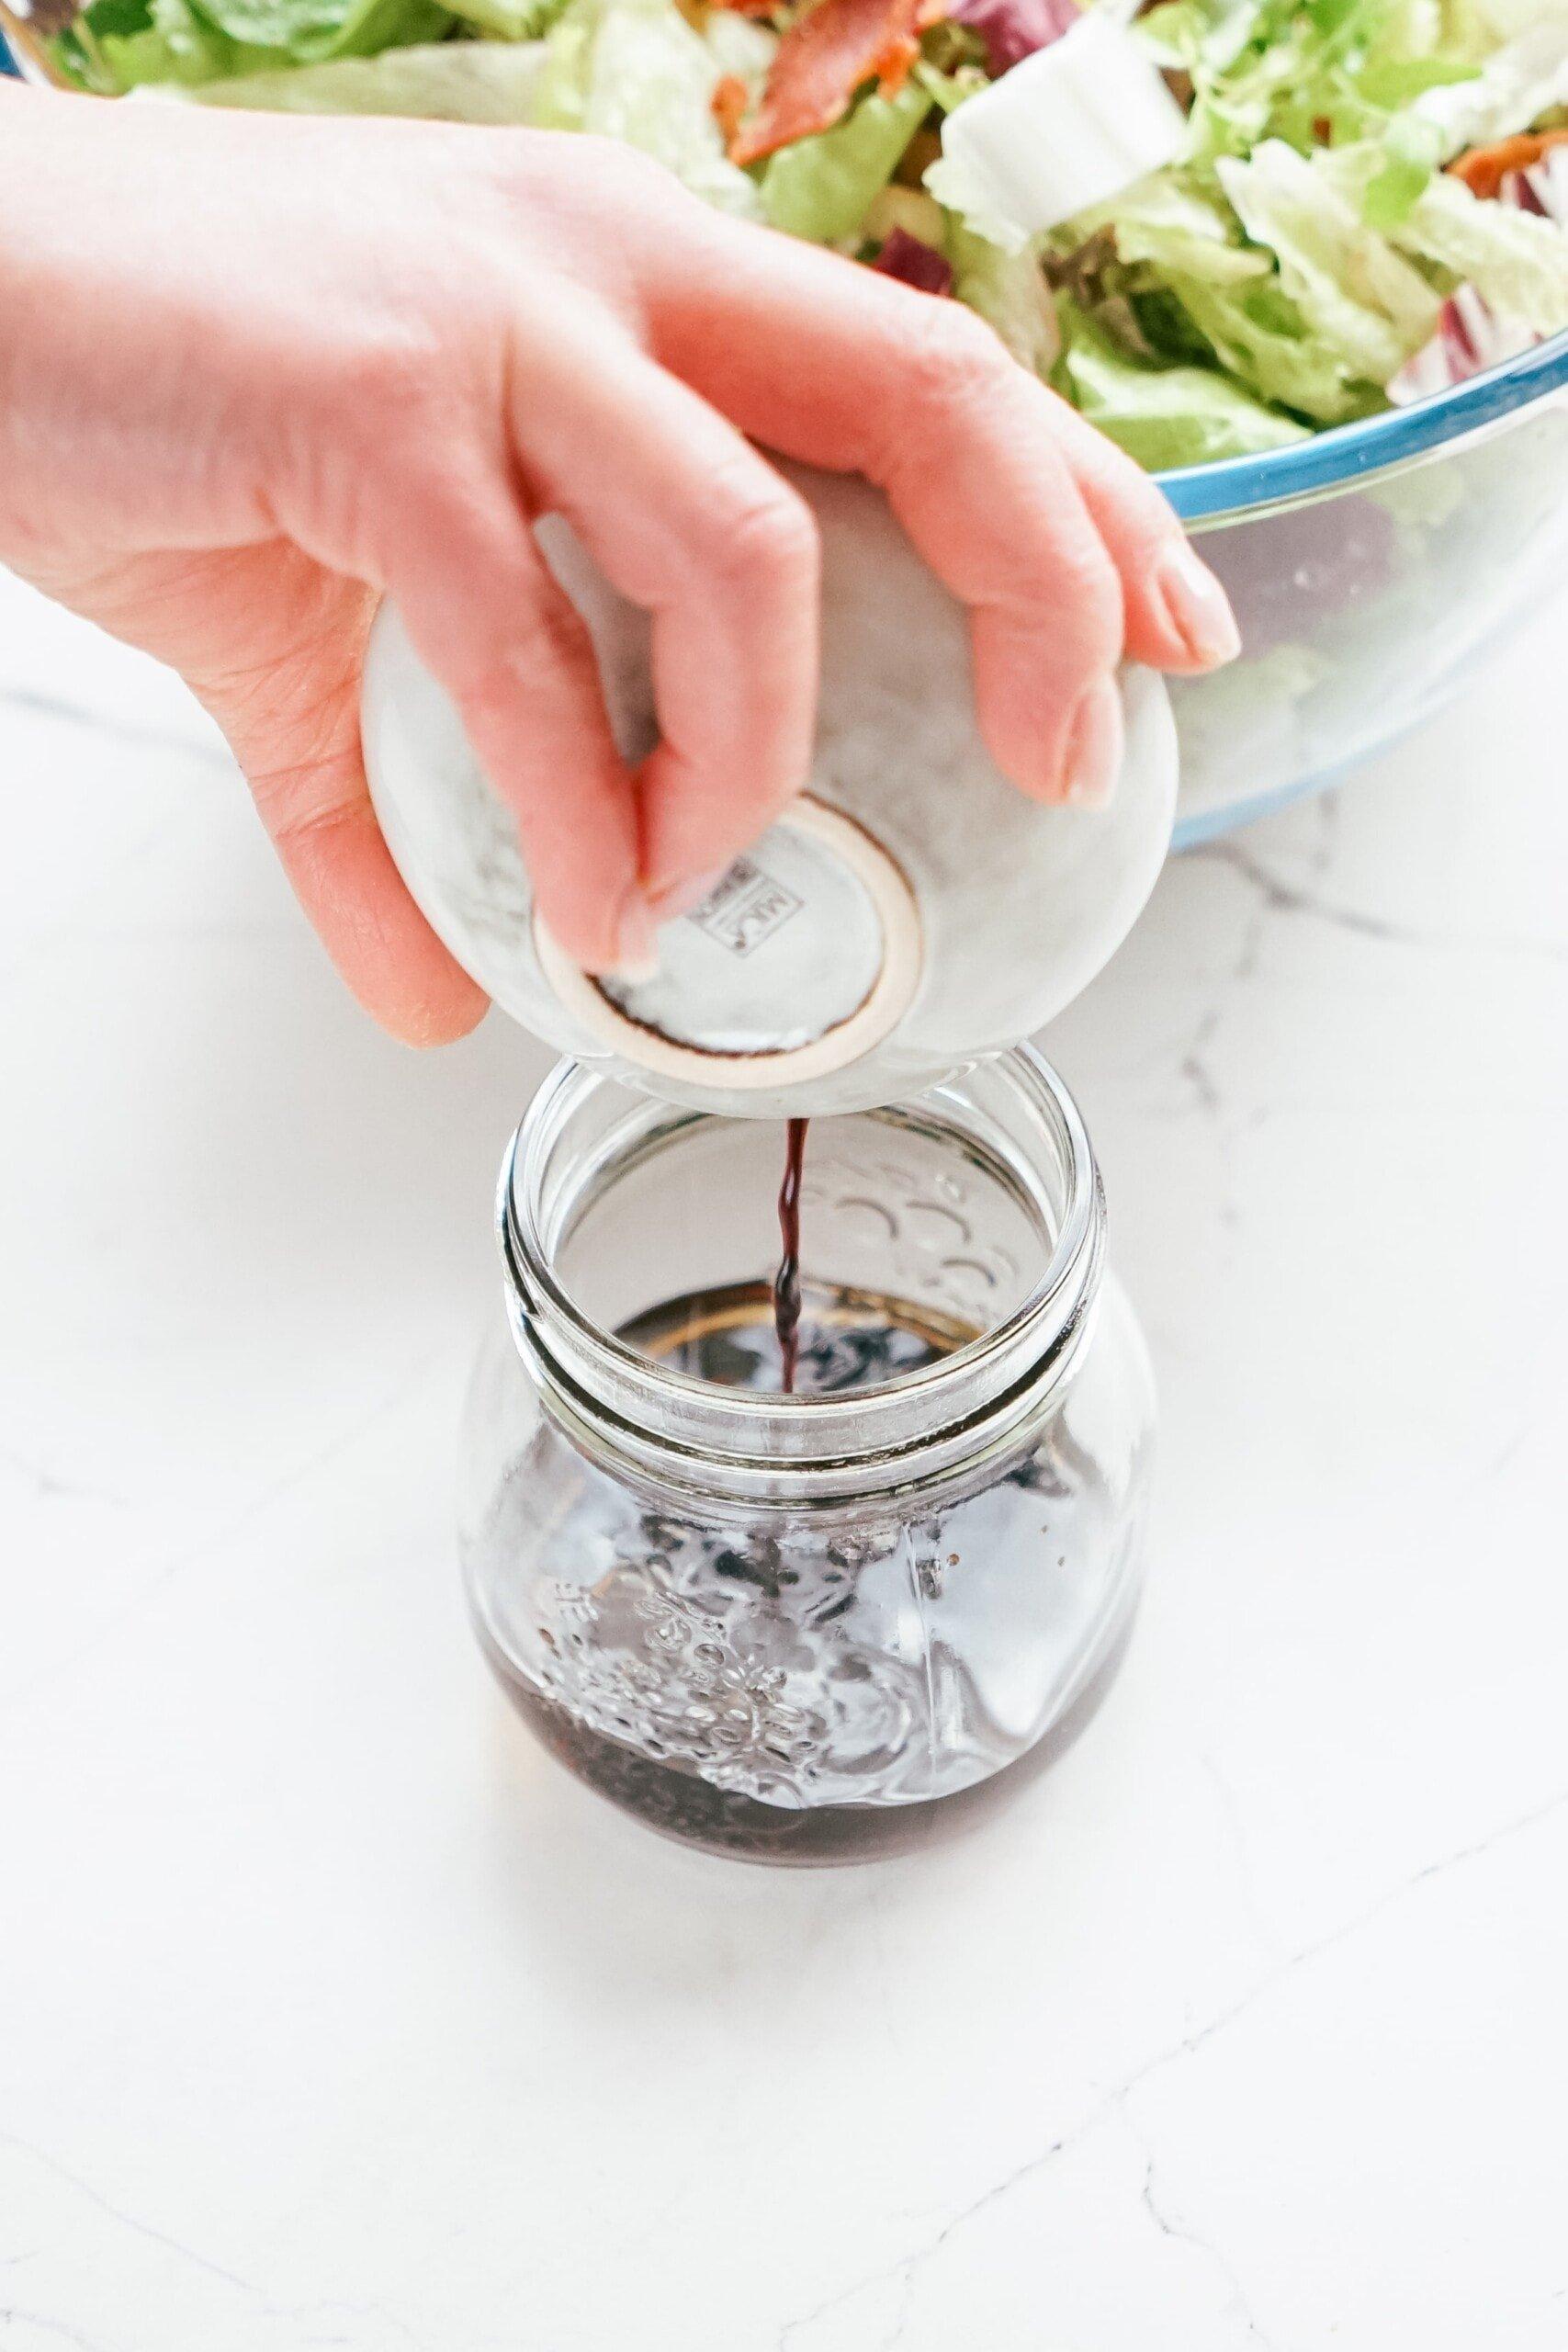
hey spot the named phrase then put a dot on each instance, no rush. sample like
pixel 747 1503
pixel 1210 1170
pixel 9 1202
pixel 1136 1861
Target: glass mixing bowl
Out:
pixel 1372 570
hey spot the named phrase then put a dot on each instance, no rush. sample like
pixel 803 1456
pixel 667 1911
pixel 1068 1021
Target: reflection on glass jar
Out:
pixel 822 1626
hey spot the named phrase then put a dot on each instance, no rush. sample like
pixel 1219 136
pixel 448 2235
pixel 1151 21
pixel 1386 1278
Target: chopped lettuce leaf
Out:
pixel 1009 293
pixel 1291 254
pixel 1258 334
pixel 1281 69
pixel 909 208
pixel 308 31
pixel 1074 125
pixel 1517 261
pixel 970 198
pixel 450 80
pixel 1410 153
pixel 118 45
pixel 1516 85
pixel 1175 227
pixel 948 87
pixel 1166 416
pixel 740 45
pixel 1369 307
pixel 1395 81
pixel 508 19
pixel 635 70
pixel 821 187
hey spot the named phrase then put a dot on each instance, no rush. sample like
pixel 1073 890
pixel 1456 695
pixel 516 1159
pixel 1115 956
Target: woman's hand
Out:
pixel 254 370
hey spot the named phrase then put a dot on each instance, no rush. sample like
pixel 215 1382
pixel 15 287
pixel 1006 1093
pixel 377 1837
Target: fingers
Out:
pixel 1178 616
pixel 991 475
pixel 690 523
pixel 293 722
pixel 320 819
pixel 488 617
pixel 959 435
pixel 1002 522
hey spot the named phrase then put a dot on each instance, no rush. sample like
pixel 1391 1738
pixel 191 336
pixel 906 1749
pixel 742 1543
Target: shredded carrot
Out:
pixel 729 101
pixel 1483 169
pixel 892 67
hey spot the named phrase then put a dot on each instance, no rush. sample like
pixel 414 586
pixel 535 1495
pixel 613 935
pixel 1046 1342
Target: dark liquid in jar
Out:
pixel 841 1338
pixel 684 1805
pixel 847 1339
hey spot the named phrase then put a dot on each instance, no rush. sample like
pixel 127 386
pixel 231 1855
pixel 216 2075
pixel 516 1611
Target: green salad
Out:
pixel 1215 226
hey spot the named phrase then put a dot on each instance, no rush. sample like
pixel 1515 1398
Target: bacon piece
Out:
pixel 1483 169
pixel 822 61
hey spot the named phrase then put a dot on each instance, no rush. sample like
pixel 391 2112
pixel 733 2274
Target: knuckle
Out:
pixel 1069 595
pixel 622 173
pixel 542 643
pixel 389 380
pixel 953 362
pixel 306 804
pixel 1089 638
pixel 1138 524
pixel 1093 595
pixel 764 535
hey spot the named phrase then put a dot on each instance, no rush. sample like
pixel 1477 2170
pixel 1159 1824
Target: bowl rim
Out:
pixel 1234 486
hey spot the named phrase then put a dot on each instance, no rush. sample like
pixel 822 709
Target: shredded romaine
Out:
pixel 1165 416
pixel 1250 220
pixel 448 81
pixel 635 70
pixel 821 187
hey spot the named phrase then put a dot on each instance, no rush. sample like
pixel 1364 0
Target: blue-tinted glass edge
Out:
pixel 1331 460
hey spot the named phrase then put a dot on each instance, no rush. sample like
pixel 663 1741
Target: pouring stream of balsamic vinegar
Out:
pixel 786 1281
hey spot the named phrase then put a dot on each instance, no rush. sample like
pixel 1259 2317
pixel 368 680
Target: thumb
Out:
pixel 290 711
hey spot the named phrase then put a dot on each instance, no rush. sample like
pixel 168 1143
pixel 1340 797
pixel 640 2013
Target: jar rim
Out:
pixel 651 1409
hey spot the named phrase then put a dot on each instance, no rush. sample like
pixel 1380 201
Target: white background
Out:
pixel 331 2013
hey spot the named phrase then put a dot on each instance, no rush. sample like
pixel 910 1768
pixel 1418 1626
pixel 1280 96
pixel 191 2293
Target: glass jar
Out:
pixel 818 1626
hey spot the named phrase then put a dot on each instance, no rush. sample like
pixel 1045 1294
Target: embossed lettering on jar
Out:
pixel 831 1624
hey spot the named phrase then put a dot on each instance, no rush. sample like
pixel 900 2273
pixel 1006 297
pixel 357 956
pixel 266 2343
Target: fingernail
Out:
pixel 1197 609
pixel 637 947
pixel 1093 760
pixel 678 897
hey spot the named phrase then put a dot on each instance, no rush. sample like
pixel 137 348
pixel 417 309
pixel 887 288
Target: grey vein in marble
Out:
pixel 40 705
pixel 1280 897
pixel 908 2266
pixel 1181 2233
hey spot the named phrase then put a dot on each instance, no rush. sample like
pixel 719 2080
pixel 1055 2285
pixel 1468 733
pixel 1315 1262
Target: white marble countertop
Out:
pixel 331 2013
